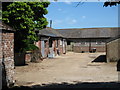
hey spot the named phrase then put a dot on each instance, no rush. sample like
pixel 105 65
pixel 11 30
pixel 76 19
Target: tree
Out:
pixel 25 17
pixel 0 11
pixel 111 3
pixel 106 4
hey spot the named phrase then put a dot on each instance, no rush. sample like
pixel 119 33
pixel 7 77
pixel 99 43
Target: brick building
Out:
pixel 7 54
pixel 51 43
pixel 87 39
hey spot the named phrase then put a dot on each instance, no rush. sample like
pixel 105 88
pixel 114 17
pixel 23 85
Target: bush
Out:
pixel 31 47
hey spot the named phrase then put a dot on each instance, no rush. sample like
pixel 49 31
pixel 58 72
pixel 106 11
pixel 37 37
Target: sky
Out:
pixel 86 15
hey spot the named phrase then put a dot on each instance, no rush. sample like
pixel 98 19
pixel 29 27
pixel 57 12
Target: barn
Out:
pixel 88 39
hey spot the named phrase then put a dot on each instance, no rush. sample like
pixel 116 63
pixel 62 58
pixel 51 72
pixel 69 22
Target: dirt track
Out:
pixel 71 68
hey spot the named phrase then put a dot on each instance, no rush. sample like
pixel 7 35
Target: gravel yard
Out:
pixel 70 68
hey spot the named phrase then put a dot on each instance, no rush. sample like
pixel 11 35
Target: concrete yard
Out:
pixel 70 68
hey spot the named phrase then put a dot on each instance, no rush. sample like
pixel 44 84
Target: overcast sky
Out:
pixel 86 15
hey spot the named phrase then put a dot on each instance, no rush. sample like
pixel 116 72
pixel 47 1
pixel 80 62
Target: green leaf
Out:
pixel 21 16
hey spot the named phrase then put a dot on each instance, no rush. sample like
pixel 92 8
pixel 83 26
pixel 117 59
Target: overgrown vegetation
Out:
pixel 25 17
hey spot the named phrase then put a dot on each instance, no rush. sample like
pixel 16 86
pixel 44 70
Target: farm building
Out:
pixel 88 39
pixel 51 43
pixel 7 55
pixel 113 49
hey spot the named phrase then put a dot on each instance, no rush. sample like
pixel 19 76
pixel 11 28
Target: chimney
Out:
pixel 50 23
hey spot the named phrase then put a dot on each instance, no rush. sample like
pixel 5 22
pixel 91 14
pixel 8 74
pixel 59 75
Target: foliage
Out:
pixel 0 11
pixel 31 47
pixel 108 3
pixel 24 17
pixel 0 14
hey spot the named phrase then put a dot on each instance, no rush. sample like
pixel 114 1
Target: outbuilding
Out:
pixel 7 54
pixel 88 39
pixel 51 43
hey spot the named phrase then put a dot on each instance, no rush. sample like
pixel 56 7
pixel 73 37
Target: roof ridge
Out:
pixel 87 28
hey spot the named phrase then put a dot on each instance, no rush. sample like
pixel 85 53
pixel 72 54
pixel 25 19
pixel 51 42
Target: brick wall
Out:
pixel 86 48
pixel 60 46
pixel 8 57
pixel 79 45
pixel 57 45
pixel 28 57
pixel 46 48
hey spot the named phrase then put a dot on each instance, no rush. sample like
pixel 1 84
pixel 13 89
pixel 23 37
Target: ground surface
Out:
pixel 70 68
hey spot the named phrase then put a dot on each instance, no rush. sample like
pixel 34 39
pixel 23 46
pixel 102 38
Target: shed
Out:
pixel 51 43
pixel 87 39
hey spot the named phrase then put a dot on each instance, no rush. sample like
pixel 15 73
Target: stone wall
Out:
pixel 7 59
pixel 113 50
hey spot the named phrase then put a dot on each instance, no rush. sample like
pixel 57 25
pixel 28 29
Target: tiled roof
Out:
pixel 113 38
pixel 89 32
pixel 50 32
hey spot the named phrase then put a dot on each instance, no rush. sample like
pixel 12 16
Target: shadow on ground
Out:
pixel 21 65
pixel 101 58
pixel 85 85
pixel 118 65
